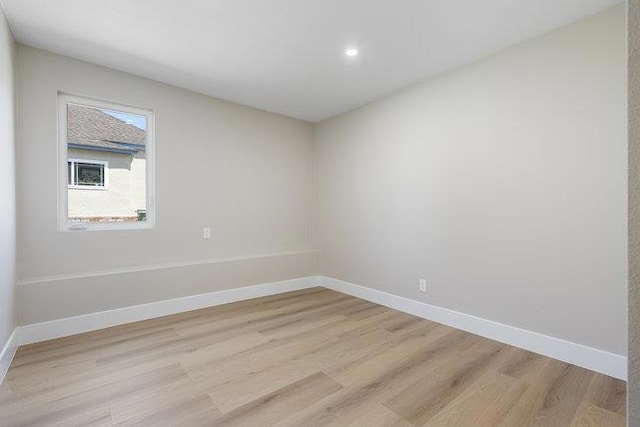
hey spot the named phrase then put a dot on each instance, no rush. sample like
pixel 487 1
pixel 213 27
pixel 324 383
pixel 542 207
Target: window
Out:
pixel 105 165
pixel 87 173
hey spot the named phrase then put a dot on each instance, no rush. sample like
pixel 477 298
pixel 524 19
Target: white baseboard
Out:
pixel 89 322
pixel 577 354
pixel 6 356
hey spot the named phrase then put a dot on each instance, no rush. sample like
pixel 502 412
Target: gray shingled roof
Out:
pixel 93 129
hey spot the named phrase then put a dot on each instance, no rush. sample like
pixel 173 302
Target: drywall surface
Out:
pixel 7 183
pixel 502 183
pixel 245 173
pixel 633 393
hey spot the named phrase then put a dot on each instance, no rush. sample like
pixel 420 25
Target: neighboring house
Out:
pixel 106 161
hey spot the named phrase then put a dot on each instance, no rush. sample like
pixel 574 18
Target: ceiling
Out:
pixel 287 56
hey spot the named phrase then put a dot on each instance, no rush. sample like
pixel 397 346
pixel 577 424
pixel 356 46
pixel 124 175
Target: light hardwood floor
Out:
pixel 305 358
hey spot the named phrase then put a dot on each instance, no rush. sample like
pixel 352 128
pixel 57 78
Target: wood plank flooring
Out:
pixel 306 358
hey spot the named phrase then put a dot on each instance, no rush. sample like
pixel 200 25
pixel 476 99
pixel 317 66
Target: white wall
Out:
pixel 503 183
pixel 243 172
pixel 633 391
pixel 7 184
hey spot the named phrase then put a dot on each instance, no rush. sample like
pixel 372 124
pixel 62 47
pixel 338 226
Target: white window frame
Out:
pixel 105 171
pixel 64 224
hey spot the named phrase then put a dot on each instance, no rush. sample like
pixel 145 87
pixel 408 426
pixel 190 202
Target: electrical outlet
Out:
pixel 206 233
pixel 422 285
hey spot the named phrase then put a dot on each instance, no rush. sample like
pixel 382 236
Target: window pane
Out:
pixel 106 152
pixel 90 174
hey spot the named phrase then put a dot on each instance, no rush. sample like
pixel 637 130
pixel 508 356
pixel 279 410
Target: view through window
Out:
pixel 107 167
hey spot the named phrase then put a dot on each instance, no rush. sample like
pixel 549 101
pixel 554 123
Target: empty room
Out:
pixel 319 213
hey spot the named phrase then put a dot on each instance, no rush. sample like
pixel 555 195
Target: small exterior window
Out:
pixel 89 174
pixel 106 154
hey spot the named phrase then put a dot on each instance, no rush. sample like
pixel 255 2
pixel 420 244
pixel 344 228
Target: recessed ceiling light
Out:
pixel 351 52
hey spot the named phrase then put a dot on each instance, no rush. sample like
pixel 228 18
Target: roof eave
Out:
pixel 103 149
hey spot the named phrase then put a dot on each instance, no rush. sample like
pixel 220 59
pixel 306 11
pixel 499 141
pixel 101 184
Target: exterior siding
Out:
pixel 125 193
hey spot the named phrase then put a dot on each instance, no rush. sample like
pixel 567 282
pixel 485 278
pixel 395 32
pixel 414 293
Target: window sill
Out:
pixel 107 226
pixel 86 187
